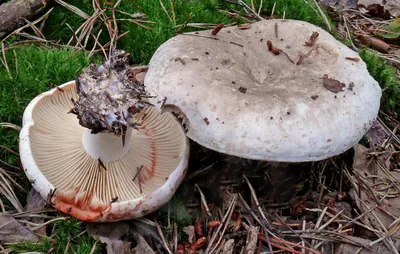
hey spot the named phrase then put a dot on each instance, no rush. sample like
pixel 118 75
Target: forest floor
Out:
pixel 348 203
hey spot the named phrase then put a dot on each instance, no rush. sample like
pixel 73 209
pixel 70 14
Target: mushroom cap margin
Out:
pixel 124 210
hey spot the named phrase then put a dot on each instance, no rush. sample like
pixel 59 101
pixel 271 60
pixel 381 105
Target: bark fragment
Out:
pixel 12 13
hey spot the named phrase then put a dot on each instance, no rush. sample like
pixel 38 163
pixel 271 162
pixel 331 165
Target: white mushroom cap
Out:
pixel 241 99
pixel 52 150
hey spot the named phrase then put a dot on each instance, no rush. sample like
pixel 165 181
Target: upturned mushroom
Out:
pixel 122 159
pixel 276 90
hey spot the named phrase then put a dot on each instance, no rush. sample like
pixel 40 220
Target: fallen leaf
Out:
pixel 376 134
pixel 377 10
pixel 333 85
pixel 340 4
pixel 392 6
pixel 376 248
pixel 371 178
pixel 12 231
pixel 392 29
pixel 142 246
pixel 35 202
pixel 228 246
pixel 113 235
pixel 146 230
pixel 189 230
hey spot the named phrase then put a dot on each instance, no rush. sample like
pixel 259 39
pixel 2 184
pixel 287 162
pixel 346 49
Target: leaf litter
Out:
pixel 12 231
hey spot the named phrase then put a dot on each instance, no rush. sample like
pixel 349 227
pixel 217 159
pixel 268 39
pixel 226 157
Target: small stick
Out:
pixel 163 102
pixel 276 30
pixel 323 16
pixel 254 196
pixel 237 44
pixel 225 223
pixel 197 35
pixel 4 61
pixel 180 60
pixel 166 12
pixel 288 249
pixel 259 8
pixel 293 244
pixel 273 9
pixel 50 196
pixel 304 56
pixel 287 56
pixel 139 170
pixel 355 59
pixel 59 89
pixel 203 200
pixel 162 238
pixel 277 51
pixel 101 164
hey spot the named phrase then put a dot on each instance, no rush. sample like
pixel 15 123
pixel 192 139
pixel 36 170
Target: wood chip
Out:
pixel 355 59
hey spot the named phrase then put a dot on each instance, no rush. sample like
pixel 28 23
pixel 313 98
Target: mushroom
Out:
pixel 277 90
pixel 121 160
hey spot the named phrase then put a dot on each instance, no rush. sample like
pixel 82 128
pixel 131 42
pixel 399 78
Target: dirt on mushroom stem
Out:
pixel 110 96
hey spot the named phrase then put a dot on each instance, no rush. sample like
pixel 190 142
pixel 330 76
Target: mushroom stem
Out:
pixel 106 146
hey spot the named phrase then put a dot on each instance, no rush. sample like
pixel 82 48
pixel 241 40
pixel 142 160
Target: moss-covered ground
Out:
pixel 33 69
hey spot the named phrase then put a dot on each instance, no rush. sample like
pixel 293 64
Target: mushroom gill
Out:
pixel 56 142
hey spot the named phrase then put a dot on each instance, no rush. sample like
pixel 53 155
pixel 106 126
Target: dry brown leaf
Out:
pixel 378 11
pixel 146 231
pixel 142 246
pixel 36 202
pixel 189 230
pixel 376 134
pixel 370 174
pixel 12 231
pixel 333 85
pixel 340 4
pixel 393 6
pixel 348 248
pixel 228 247
pixel 112 234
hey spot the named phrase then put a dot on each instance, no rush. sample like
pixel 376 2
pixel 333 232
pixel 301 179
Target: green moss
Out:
pixel 291 9
pixel 42 246
pixel 142 43
pixel 32 71
pixel 66 233
pixel 386 77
